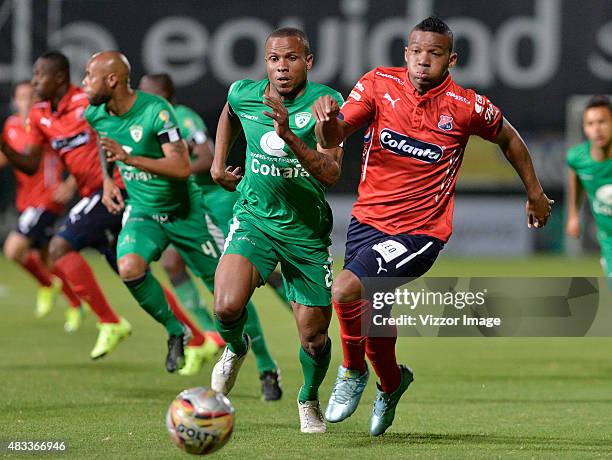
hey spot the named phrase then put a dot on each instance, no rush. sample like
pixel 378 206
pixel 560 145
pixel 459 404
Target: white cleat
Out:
pixel 311 417
pixel 226 370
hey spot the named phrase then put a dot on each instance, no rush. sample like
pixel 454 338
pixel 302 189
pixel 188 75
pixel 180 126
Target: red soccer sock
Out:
pixel 350 316
pixel 34 264
pixel 197 338
pixel 83 282
pixel 381 353
pixel 72 298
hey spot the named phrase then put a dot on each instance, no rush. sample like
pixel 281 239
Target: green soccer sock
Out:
pixel 314 370
pixel 258 342
pixel 233 333
pixel 188 294
pixel 150 296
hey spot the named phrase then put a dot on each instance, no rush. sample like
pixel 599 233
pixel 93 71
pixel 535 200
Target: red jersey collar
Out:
pixel 64 102
pixel 441 88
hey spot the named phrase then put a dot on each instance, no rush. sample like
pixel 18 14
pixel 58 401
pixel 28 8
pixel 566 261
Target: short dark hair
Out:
pixel 60 61
pixel 292 32
pixel 165 81
pixel 599 100
pixel 437 25
pixel 17 85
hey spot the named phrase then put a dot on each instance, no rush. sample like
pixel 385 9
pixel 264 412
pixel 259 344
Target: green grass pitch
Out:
pixel 483 398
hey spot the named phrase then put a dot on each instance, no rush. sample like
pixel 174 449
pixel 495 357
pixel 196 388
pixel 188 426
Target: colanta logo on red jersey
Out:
pixel 407 146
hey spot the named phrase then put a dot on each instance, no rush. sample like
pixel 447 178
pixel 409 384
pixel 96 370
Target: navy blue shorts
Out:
pixel 89 224
pixel 371 253
pixel 38 225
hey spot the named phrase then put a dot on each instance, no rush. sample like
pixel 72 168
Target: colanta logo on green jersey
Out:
pixel 272 144
pixel 602 204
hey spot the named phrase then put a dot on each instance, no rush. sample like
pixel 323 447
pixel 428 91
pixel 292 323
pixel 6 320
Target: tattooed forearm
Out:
pixel 323 166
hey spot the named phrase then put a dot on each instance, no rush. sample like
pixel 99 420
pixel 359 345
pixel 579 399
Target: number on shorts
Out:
pixel 209 249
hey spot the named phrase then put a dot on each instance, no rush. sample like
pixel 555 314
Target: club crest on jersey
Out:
pixel 445 123
pixel 136 132
pixel 302 119
pixel 407 146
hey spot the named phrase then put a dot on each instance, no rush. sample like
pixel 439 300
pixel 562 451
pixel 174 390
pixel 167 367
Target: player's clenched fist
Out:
pixel 325 108
pixel 111 196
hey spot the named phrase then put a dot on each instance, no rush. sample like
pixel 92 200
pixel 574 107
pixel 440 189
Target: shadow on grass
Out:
pixel 355 439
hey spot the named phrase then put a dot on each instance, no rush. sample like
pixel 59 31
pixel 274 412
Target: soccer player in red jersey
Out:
pixel 40 201
pixel 57 121
pixel 419 121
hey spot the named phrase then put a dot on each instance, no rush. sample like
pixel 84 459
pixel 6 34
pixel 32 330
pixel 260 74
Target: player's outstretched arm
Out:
pixel 28 162
pixel 538 205
pixel 204 154
pixel 575 196
pixel 330 130
pixel 228 129
pixel 322 164
pixel 174 163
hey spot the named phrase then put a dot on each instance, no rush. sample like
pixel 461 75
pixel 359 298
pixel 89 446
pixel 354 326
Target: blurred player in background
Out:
pixel 40 201
pixel 590 170
pixel 58 121
pixel 419 121
pixel 281 215
pixel 217 204
pixel 139 132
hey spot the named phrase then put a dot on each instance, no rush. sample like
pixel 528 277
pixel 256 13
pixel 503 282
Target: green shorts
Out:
pixel 148 234
pixel 606 256
pixel 306 271
pixel 218 204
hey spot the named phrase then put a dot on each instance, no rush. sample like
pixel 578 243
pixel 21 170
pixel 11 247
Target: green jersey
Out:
pixel 596 179
pixel 193 129
pixel 141 131
pixel 277 195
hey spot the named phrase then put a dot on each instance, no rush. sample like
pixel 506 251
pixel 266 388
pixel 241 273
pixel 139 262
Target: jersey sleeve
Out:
pixel 486 120
pixel 571 158
pixel 165 123
pixel 359 106
pixel 233 94
pixel 34 135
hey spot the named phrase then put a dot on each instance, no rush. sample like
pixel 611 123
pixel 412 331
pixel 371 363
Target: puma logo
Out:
pixel 388 97
pixel 380 267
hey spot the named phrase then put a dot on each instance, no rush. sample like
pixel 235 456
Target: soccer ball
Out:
pixel 200 421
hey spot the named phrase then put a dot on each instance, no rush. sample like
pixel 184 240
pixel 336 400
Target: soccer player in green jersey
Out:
pixel 281 215
pixel 140 133
pixel 218 204
pixel 590 171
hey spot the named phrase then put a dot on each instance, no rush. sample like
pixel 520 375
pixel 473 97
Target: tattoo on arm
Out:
pixel 107 168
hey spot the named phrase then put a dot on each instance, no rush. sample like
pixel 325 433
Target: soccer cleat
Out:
pixel 311 417
pixel 109 337
pixel 195 357
pixel 74 318
pixel 270 385
pixel 46 297
pixel 346 394
pixel 175 359
pixel 226 370
pixel 383 411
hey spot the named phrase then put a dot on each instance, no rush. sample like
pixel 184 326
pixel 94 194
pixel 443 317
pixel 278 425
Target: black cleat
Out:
pixel 270 385
pixel 176 352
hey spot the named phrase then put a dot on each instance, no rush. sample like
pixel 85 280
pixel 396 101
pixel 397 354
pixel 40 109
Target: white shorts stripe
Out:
pixel 215 232
pixel 233 227
pixel 413 255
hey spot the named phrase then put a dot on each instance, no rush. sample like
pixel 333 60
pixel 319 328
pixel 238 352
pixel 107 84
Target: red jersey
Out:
pixel 36 190
pixel 413 148
pixel 70 136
